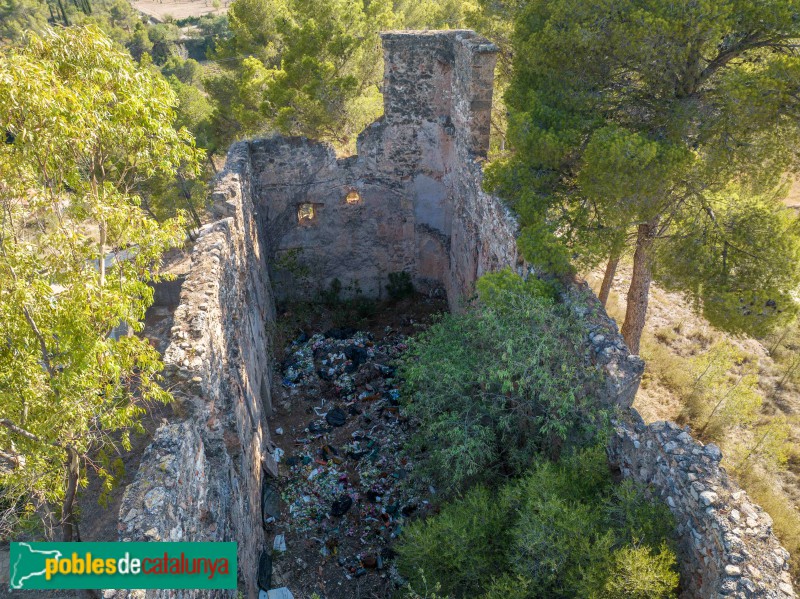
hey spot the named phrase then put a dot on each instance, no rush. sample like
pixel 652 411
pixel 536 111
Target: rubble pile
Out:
pixel 343 484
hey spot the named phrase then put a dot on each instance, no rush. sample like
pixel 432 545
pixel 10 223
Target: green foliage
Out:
pixel 400 285
pixel 770 446
pixel 740 265
pixel 194 110
pixel 76 252
pixel 497 384
pixel 186 71
pixel 557 532
pixel 115 17
pixel 508 587
pixel 637 573
pixel 310 69
pixel 462 547
pixel 494 286
pixel 18 16
pixel 633 112
pixel 163 37
pixel 430 14
pixel 140 43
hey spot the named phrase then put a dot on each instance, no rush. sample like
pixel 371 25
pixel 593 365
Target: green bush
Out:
pixel 637 573
pixel 460 548
pixel 563 530
pixel 498 384
pixel 492 286
pixel 400 285
pixel 508 587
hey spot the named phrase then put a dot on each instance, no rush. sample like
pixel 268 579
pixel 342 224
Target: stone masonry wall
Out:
pixel 727 548
pixel 420 209
pixel 423 210
pixel 200 478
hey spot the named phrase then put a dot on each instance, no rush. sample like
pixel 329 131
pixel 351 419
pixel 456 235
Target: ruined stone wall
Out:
pixel 200 478
pixel 421 209
pixel 727 548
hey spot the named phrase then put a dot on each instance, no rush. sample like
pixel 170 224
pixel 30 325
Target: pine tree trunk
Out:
pixel 69 525
pixel 608 277
pixel 63 13
pixel 639 291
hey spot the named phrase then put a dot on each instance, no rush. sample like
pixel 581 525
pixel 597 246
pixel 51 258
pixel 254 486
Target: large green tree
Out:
pixel 667 128
pixel 83 127
pixel 301 68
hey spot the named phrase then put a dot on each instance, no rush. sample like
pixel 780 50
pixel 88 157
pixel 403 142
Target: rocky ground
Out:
pixel 343 495
pixel 680 331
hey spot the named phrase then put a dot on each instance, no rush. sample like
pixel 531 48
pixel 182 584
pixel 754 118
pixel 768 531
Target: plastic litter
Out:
pixel 344 474
pixel 264 571
pixel 341 506
pixel 336 417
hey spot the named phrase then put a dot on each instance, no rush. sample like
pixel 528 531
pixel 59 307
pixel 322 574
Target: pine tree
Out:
pixel 667 128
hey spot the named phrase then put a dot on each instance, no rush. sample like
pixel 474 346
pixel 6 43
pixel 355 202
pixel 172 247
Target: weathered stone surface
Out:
pixel 420 209
pixel 200 478
pixel 717 557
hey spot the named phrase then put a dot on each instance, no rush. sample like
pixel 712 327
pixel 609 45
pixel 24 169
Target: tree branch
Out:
pixel 21 431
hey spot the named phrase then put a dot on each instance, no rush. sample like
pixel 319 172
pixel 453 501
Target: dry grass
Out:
pixel 761 486
pixel 673 340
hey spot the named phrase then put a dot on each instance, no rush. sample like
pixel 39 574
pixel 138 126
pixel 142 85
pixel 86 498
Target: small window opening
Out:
pixel 306 214
pixel 353 197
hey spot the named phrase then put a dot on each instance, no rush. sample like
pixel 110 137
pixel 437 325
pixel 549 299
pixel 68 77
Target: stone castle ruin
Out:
pixel 409 201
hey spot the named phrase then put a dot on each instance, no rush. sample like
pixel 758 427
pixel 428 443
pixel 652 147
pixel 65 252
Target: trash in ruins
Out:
pixel 343 470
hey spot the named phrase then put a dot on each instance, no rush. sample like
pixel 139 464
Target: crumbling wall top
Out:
pixel 443 77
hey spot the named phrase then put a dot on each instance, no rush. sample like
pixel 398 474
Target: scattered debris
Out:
pixel 264 571
pixel 343 470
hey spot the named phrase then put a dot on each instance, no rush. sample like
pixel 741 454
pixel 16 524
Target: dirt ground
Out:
pixel 673 328
pixel 793 199
pixel 343 484
pixel 179 9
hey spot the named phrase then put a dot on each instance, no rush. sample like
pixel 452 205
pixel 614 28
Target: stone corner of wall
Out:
pixel 623 370
pixel 726 543
pixel 477 44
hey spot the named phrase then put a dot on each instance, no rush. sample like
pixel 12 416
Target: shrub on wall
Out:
pixel 563 530
pixel 498 384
